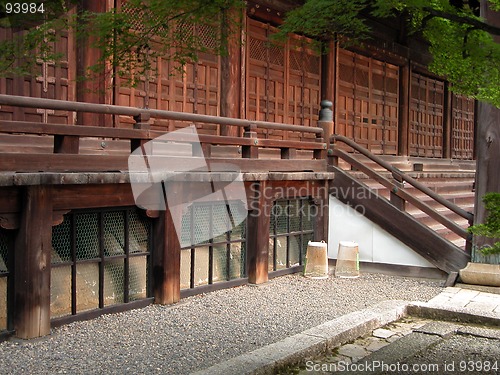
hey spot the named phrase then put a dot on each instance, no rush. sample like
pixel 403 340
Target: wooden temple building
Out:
pixel 74 245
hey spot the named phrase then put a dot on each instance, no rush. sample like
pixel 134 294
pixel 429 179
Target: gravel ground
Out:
pixel 205 329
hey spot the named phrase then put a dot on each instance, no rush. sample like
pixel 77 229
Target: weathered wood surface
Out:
pixel 258 235
pixel 167 255
pixel 32 264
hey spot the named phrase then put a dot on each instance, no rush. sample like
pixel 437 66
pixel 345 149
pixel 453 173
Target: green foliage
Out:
pixel 491 227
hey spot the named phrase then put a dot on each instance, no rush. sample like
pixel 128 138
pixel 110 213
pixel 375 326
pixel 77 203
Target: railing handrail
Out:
pixel 404 177
pixel 24 101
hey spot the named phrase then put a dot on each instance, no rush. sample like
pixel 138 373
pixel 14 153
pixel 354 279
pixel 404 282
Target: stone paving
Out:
pixel 416 331
pixel 363 346
pixel 473 300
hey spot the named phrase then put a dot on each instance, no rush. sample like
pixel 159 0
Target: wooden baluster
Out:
pixel 141 122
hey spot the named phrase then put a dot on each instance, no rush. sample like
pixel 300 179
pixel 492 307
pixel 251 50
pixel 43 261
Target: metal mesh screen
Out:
pixel 114 233
pixel 213 251
pixel 87 236
pixel 100 272
pixel 113 282
pixel 138 233
pixel 61 246
pixel 60 291
pixel 291 227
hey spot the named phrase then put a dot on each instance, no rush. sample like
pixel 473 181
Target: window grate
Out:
pixel 291 228
pixel 212 251
pixel 99 258
pixel 5 242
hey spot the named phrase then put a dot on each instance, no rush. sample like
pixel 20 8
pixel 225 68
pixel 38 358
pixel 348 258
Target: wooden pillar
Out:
pixel 167 256
pixel 404 110
pixel 328 73
pixel 90 90
pixel 32 264
pixel 448 120
pixel 258 234
pixel 321 201
pixel 230 88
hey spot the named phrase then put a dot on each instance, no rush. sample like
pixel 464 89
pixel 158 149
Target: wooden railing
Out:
pixel 398 195
pixel 67 155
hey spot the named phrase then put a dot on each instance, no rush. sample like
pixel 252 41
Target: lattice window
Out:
pixel 5 253
pixel 291 228
pixel 212 249
pixel 99 258
pixel 462 137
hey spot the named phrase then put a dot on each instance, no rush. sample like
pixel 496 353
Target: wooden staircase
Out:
pixel 425 203
pixel 453 180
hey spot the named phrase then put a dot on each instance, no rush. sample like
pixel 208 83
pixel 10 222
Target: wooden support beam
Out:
pixel 32 264
pixel 142 123
pixel 258 234
pixel 404 110
pixel 321 201
pixel 250 152
pixel 167 256
pixel 230 71
pixel 448 120
pixel 90 90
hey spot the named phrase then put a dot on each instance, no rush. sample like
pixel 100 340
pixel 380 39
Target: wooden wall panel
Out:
pixel 462 133
pixel 426 116
pixel 367 102
pixel 49 80
pixel 194 88
pixel 283 80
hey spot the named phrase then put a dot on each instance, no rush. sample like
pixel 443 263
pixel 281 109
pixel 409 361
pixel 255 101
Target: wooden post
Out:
pixel 90 90
pixel 251 152
pixel 404 110
pixel 328 72
pixel 325 121
pixel 141 122
pixel 32 264
pixel 230 72
pixel 322 213
pixel 448 120
pixel 167 256
pixel 258 234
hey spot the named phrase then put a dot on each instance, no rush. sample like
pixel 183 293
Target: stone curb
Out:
pixel 452 313
pixel 312 342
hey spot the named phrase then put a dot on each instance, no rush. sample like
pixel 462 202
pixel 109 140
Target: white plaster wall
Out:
pixel 375 244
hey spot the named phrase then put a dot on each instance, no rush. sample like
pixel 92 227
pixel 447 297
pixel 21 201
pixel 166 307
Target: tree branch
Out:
pixel 480 25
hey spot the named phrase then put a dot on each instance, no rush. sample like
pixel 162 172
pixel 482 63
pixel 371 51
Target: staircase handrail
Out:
pixel 401 176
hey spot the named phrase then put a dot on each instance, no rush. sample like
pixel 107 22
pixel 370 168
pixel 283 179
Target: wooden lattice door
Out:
pixel 462 132
pixel 367 102
pixel 50 80
pixel 426 116
pixel 282 80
